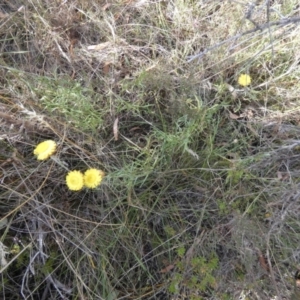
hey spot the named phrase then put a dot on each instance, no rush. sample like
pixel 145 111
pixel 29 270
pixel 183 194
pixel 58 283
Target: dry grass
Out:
pixel 201 196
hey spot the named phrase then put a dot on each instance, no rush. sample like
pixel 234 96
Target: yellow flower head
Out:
pixel 93 177
pixel 244 80
pixel 45 149
pixel 74 180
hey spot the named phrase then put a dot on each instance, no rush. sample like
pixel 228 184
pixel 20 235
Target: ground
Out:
pixel 190 108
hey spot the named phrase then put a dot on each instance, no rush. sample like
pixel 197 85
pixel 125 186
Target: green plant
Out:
pixel 194 275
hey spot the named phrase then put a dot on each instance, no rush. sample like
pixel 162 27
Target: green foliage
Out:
pixel 22 260
pixel 49 265
pixel 223 207
pixel 234 176
pixel 197 275
pixel 180 251
pixel 174 286
pixel 76 103
pixel 203 270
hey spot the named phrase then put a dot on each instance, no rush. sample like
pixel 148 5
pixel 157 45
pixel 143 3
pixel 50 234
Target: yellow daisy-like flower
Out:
pixel 93 177
pixel 74 180
pixel 244 80
pixel 45 149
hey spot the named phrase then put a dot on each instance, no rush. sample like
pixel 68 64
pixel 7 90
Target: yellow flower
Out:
pixel 74 180
pixel 93 177
pixel 244 80
pixel 45 149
